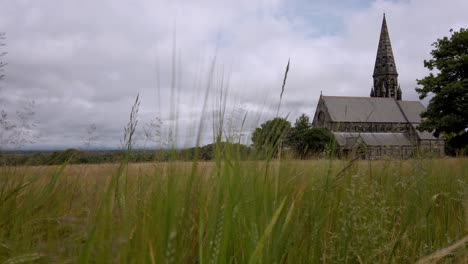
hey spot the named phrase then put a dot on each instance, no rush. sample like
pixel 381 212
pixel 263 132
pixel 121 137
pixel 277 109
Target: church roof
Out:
pixel 372 109
pixel 349 139
pixel 412 110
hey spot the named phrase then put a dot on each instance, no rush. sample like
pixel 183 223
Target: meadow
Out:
pixel 232 211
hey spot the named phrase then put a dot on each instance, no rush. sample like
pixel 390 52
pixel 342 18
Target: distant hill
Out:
pixel 75 156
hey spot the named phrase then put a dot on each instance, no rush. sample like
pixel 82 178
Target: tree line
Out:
pixel 78 156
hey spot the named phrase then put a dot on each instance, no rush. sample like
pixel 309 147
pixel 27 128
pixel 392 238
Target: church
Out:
pixel 382 125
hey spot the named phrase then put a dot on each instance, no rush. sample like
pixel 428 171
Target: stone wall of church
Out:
pixel 369 127
pixel 425 148
pixel 432 147
pixel 381 152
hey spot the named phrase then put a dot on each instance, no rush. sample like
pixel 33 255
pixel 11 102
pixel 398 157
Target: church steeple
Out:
pixel 385 72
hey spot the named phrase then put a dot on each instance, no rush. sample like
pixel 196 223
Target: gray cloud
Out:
pixel 84 62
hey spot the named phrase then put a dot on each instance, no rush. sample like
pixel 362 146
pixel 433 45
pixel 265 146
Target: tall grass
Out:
pixel 384 211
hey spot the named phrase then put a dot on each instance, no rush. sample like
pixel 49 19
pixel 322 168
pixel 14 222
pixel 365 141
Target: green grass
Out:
pixel 234 212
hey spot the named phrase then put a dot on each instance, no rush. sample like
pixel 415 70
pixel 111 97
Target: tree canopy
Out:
pixel 298 136
pixel 267 138
pixel 446 112
pixel 305 139
pixel 302 139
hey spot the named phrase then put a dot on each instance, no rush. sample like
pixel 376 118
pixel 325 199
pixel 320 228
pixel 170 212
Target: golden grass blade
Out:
pixel 440 254
pixel 24 258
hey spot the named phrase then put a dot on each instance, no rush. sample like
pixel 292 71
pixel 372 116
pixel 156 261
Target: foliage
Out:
pixel 268 138
pixel 208 152
pixel 298 137
pixel 306 140
pixel 456 144
pixel 446 112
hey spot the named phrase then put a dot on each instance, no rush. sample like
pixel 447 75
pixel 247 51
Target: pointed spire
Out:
pixel 385 72
pixel 372 93
pixel 399 93
pixel 384 62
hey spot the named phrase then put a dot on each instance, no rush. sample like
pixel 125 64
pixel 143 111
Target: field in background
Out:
pixel 230 211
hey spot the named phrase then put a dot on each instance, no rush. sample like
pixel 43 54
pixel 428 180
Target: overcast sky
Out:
pixel 83 62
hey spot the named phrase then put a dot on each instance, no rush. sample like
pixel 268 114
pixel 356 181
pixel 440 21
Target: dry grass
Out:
pixel 232 211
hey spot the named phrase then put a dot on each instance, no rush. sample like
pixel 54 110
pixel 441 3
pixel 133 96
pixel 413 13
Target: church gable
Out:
pixel 322 117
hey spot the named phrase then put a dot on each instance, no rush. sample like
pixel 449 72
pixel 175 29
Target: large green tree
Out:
pixel 448 85
pixel 298 136
pixel 305 139
pixel 269 137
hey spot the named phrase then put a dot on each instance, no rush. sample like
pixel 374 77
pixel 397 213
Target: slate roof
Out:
pixel 372 109
pixel 347 139
pixel 412 110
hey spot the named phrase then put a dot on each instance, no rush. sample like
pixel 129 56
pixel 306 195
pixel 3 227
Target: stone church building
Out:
pixel 382 125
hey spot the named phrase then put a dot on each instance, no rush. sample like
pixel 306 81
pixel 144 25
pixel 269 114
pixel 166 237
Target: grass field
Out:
pixel 227 211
